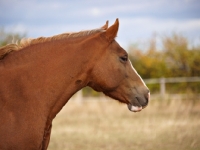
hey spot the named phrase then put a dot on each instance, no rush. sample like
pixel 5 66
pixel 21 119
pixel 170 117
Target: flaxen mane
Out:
pixel 29 41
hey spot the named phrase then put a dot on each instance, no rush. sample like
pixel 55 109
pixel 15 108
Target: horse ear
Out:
pixel 111 32
pixel 105 27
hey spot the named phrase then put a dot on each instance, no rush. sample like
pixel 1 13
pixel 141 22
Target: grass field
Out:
pixel 109 125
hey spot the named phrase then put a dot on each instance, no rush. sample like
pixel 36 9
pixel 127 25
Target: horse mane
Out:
pixel 5 50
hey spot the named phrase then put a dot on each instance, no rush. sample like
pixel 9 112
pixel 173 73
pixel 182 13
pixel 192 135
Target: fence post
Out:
pixel 162 87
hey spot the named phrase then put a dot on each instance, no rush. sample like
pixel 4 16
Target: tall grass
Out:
pixel 109 125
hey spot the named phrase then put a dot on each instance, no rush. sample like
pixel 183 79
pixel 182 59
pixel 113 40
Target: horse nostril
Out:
pixel 143 101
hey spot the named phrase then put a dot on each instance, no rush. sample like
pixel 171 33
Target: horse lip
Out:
pixel 133 108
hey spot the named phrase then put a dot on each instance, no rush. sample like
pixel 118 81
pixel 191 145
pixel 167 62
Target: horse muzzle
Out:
pixel 139 102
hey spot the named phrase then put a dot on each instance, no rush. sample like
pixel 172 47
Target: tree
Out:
pixel 149 63
pixel 174 59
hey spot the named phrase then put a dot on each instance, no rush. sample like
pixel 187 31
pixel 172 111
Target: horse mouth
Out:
pixel 137 105
pixel 133 108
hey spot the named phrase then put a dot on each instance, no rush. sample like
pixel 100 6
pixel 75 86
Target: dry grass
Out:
pixel 109 125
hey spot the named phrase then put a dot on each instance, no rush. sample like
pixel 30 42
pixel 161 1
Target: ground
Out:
pixel 100 124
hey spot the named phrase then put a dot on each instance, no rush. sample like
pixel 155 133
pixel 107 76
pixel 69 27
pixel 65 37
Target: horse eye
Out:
pixel 124 58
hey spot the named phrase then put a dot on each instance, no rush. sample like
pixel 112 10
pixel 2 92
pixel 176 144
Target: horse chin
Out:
pixel 134 108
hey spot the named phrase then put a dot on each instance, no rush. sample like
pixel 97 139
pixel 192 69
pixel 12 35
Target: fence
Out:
pixel 163 81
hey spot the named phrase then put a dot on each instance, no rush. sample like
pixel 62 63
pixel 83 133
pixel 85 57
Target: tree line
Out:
pixel 175 57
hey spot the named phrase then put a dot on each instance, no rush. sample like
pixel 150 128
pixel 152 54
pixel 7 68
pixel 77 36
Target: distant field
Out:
pixel 109 125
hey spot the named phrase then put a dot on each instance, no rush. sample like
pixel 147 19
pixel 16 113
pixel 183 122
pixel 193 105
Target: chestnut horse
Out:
pixel 38 77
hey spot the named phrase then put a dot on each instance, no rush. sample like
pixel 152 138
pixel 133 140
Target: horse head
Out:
pixel 114 75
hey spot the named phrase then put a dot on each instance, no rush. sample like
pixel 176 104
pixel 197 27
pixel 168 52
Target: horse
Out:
pixel 38 77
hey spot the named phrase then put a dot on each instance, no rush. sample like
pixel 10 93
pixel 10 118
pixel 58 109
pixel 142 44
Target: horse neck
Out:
pixel 68 71
pixel 50 73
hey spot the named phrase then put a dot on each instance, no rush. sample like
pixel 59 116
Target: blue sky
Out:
pixel 139 19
